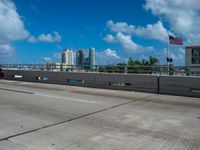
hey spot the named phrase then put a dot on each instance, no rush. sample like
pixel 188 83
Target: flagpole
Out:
pixel 168 55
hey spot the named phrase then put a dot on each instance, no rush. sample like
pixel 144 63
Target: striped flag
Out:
pixel 175 40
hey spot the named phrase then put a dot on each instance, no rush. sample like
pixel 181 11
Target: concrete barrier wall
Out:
pixel 111 81
pixel 184 86
pixel 143 83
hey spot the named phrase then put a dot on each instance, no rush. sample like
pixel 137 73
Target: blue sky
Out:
pixel 35 31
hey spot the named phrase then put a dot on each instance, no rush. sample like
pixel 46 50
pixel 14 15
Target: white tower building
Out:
pixel 67 57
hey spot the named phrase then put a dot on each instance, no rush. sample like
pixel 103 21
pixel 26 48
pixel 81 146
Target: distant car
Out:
pixel 1 73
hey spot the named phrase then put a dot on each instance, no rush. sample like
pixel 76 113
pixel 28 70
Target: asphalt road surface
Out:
pixel 37 116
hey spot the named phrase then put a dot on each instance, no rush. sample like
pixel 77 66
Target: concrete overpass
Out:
pixel 36 116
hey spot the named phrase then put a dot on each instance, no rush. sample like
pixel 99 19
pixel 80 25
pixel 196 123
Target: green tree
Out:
pixel 133 62
pixel 133 65
pixel 153 61
pixel 144 62
pixel 143 66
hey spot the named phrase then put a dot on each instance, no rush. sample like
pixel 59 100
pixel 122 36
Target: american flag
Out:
pixel 175 40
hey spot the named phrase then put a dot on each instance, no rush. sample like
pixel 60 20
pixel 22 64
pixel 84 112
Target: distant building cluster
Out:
pixel 81 60
pixel 67 61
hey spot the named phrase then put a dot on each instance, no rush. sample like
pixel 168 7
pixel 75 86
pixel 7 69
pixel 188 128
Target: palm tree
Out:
pixel 130 62
pixel 133 62
pixel 144 65
pixel 145 62
pixel 153 61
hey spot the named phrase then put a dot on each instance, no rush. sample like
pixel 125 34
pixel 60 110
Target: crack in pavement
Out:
pixel 75 118
pixel 17 91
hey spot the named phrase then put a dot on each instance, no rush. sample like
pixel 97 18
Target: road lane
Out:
pixel 21 112
pixel 74 118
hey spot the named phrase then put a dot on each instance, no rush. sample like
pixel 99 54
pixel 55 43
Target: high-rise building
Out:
pixel 87 61
pixel 67 57
pixel 92 56
pixel 192 58
pixel 80 57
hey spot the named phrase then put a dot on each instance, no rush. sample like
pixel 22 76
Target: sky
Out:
pixel 37 31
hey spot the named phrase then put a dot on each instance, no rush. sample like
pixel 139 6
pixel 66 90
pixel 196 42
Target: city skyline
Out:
pixel 32 33
pixel 81 59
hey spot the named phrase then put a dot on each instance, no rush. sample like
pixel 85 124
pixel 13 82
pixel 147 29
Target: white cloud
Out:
pixel 182 15
pixel 127 43
pixel 183 18
pixel 120 27
pixel 7 53
pixel 57 56
pixel 47 59
pixel 176 53
pixel 154 31
pixel 11 29
pixel 108 56
pixel 111 53
pixel 193 38
pixel 109 38
pixel 12 26
pixel 51 38
pixel 6 49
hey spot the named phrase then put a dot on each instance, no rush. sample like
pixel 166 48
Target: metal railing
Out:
pixel 157 70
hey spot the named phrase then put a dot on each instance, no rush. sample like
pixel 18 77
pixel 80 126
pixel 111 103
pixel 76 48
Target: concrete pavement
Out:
pixel 37 116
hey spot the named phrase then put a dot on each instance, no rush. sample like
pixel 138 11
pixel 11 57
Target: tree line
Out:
pixel 133 66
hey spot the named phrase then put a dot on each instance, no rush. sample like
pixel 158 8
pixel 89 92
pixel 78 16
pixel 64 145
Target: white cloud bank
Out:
pixel 183 16
pixel 154 31
pixel 127 43
pixel 123 34
pixel 50 38
pixel 12 28
pixel 120 27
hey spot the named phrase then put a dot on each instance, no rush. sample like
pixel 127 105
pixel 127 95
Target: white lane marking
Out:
pixel 69 99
